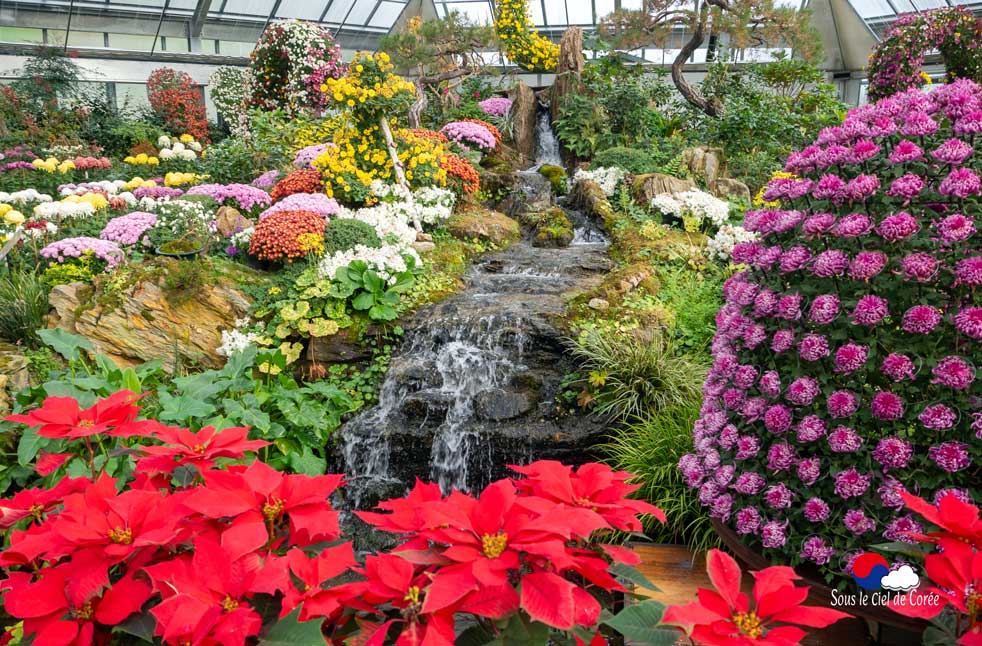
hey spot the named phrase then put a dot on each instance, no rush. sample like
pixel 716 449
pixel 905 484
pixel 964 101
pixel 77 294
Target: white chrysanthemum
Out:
pixel 721 245
pixel 666 205
pixel 163 141
pixel 606 178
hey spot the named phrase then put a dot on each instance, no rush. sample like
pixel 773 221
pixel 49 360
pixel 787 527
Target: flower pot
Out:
pixel 821 594
pixel 180 255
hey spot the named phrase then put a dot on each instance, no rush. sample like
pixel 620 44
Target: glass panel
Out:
pixel 556 12
pixel 924 5
pixel 175 44
pixel 479 12
pixel 303 9
pixel 86 39
pixel 131 96
pixel 386 15
pixel 580 13
pixel 131 42
pixel 249 7
pixel 604 7
pixel 536 12
pixel 338 11
pixel 872 8
pixel 56 36
pixel 234 48
pixel 361 11
pixel 21 35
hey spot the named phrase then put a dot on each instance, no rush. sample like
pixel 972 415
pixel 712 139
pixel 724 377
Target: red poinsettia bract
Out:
pixel 184 448
pixel 62 417
pixel 725 616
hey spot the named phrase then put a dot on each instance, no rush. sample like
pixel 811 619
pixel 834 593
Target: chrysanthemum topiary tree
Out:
pixel 845 356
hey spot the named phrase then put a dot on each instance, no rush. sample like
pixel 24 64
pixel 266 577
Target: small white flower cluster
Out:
pixel 387 261
pixel 429 205
pixel 387 220
pixel 721 245
pixel 698 205
pixel 50 228
pixel 241 239
pixel 111 188
pixel 236 340
pixel 64 210
pixel 184 148
pixel 606 178
pixel 23 197
pixel 178 216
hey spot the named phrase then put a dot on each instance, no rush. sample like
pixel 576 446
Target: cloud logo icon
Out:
pixel 903 579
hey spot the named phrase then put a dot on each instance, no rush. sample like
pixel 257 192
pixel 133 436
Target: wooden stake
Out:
pixel 397 166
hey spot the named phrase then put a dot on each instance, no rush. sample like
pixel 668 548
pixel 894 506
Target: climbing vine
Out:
pixel 896 62
pixel 521 42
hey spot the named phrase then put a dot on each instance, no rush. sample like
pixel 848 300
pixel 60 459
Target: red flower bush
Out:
pixel 285 236
pixel 202 548
pixel 432 135
pixel 176 99
pixel 299 181
pixel 726 616
pixel 462 177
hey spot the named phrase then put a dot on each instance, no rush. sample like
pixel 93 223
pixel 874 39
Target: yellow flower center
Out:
pixel 749 624
pixel 85 612
pixel 412 595
pixel 36 511
pixel 494 544
pixel 229 604
pixel 121 536
pixel 86 423
pixel 273 509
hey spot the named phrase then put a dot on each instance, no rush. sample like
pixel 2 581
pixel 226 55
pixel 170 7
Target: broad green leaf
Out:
pixel 140 625
pixel 289 631
pixel 633 575
pixel 363 301
pixel 29 445
pixel 383 313
pixel 65 343
pixel 373 282
pixel 307 463
pixel 182 408
pixel 129 380
pixel 639 625
pixel 68 389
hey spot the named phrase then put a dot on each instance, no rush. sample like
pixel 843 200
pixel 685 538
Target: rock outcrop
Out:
pixel 523 114
pixel 14 375
pixel 229 221
pixel 705 162
pixel 730 189
pixel 482 224
pixel 143 324
pixel 569 70
pixel 645 187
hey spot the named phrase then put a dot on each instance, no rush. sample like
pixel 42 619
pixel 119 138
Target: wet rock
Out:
pixel 229 221
pixel 646 187
pixel 500 405
pixel 523 114
pixel 482 224
pixel 143 324
pixel 730 189
pixel 428 406
pixel 598 304
pixel 343 347
pixel 532 192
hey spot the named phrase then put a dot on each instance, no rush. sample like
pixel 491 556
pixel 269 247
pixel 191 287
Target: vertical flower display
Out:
pixel 521 42
pixel 291 61
pixel 846 354
pixel 896 62
pixel 178 101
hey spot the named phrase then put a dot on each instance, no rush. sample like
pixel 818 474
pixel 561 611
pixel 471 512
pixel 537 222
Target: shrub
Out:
pixel 23 306
pixel 633 160
pixel 651 448
pixel 285 236
pixel 636 372
pixel 343 234
pixel 233 160
pixel 846 356
pixel 490 127
pixel 178 102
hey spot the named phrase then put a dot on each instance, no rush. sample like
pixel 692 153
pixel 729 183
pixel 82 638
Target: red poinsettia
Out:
pixel 310 575
pixel 725 616
pixel 185 448
pixel 48 463
pixel 956 518
pixel 262 502
pixel 115 524
pixel 592 486
pixel 61 417
pixel 35 503
pixel 64 605
pixel 956 575
pixel 206 596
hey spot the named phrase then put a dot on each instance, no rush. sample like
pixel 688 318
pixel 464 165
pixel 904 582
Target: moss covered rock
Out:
pixel 550 228
pixel 557 177
pixel 478 223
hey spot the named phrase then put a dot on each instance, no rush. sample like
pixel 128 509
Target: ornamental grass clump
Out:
pixel 285 236
pixel 846 354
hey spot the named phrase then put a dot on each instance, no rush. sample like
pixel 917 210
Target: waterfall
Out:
pixel 546 143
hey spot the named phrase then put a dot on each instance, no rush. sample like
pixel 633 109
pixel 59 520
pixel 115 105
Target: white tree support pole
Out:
pixel 397 166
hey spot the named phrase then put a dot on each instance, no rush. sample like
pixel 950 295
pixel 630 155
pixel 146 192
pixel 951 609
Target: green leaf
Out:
pixel 639 625
pixel 474 636
pixel 632 575
pixel 291 632
pixel 182 408
pixel 65 343
pixel 404 282
pixel 373 282
pixel 129 380
pixel 140 624
pixel 363 301
pixel 307 463
pixel 383 313
pixel 29 445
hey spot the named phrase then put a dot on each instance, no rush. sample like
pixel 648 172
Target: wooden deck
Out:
pixel 679 574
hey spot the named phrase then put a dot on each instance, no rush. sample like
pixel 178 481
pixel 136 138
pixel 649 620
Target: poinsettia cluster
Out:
pixel 953 597
pixel 194 543
pixel 845 355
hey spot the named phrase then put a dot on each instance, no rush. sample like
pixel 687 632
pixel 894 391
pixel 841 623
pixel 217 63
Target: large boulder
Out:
pixel 569 70
pixel 705 162
pixel 483 224
pixel 229 221
pixel 646 187
pixel 14 375
pixel 523 113
pixel 146 322
pixel 730 189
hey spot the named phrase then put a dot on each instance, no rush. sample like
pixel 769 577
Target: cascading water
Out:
pixel 546 143
pixel 474 385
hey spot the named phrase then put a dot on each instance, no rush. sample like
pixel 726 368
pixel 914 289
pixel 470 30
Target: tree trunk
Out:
pixel 397 166
pixel 712 106
pixel 419 105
